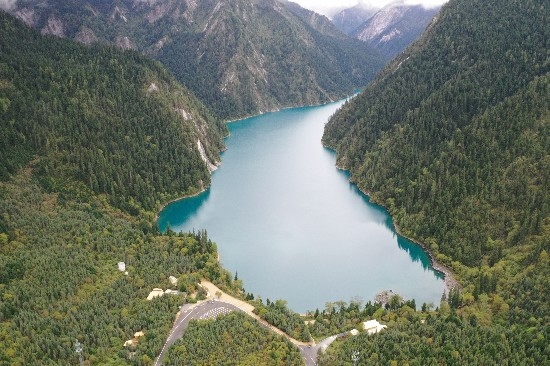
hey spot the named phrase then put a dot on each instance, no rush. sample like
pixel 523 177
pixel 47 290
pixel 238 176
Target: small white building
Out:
pixel 373 326
pixel 171 292
pixel 157 292
pixel 121 266
pixel 173 280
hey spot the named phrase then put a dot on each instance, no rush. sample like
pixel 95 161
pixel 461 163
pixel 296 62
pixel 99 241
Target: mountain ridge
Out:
pixel 240 57
pixel 348 20
pixel 155 120
pixel 395 26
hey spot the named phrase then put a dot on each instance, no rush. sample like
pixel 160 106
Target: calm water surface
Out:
pixel 292 225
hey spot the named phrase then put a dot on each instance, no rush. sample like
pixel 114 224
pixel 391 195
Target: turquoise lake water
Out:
pixel 292 225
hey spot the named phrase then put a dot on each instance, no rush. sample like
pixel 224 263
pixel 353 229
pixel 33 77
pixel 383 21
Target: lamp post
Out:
pixel 355 357
pixel 78 349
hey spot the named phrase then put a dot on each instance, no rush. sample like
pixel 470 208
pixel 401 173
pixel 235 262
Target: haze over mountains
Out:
pixel 389 29
pixel 348 20
pixel 239 57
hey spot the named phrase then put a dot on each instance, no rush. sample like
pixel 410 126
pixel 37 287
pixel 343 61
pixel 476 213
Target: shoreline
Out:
pixel 164 205
pixel 449 277
pixel 346 98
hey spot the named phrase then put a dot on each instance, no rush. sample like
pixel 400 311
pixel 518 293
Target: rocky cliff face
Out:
pixel 348 20
pixel 241 57
pixel 395 26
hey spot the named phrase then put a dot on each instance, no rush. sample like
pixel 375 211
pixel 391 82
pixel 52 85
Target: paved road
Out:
pixel 309 353
pixel 213 308
pixel 208 310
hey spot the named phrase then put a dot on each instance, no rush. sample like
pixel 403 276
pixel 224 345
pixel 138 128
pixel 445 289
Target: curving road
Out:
pixel 207 310
pixel 213 308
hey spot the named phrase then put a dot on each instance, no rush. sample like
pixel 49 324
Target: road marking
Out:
pixel 170 335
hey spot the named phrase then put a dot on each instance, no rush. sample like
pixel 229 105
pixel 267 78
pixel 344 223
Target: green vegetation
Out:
pixel 454 138
pixel 455 333
pixel 339 317
pixel 239 57
pixel 234 339
pixel 115 122
pixel 59 279
pixel 279 315
pixel 83 144
pixel 441 341
pixel 271 60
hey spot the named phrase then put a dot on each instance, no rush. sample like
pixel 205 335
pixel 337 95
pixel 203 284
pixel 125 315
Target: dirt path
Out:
pixel 247 308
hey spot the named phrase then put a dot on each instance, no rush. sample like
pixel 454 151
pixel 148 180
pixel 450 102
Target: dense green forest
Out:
pixel 453 137
pixel 234 339
pixel 240 57
pixel 116 122
pixel 441 341
pixel 279 315
pixel 59 280
pixel 86 146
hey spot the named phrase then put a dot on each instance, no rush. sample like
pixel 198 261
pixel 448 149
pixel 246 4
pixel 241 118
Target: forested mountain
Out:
pixel 240 57
pixel 83 128
pixel 348 20
pixel 454 138
pixel 394 27
pixel 117 123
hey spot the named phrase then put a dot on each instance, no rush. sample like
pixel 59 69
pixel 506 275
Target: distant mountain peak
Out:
pixel 239 57
pixel 395 26
pixel 349 19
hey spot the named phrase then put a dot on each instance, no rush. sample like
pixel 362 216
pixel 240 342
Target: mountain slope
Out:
pixel 240 57
pixel 83 128
pixel 454 138
pixel 394 27
pixel 348 20
pixel 118 123
pixel 432 140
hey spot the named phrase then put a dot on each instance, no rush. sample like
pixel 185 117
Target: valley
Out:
pixel 278 207
pixel 109 110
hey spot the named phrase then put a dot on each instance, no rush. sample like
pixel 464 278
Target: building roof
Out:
pixel 157 292
pixel 373 326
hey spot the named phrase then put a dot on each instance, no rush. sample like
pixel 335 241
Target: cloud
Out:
pixel 324 6
pixel 426 3
pixel 7 4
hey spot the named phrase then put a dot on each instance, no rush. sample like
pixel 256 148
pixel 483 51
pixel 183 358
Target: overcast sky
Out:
pixel 321 6
pixel 327 6
pixel 7 4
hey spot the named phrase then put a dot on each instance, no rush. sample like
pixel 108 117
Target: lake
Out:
pixel 293 227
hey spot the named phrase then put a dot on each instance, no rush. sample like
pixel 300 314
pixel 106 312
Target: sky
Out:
pixel 327 7
pixel 7 4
